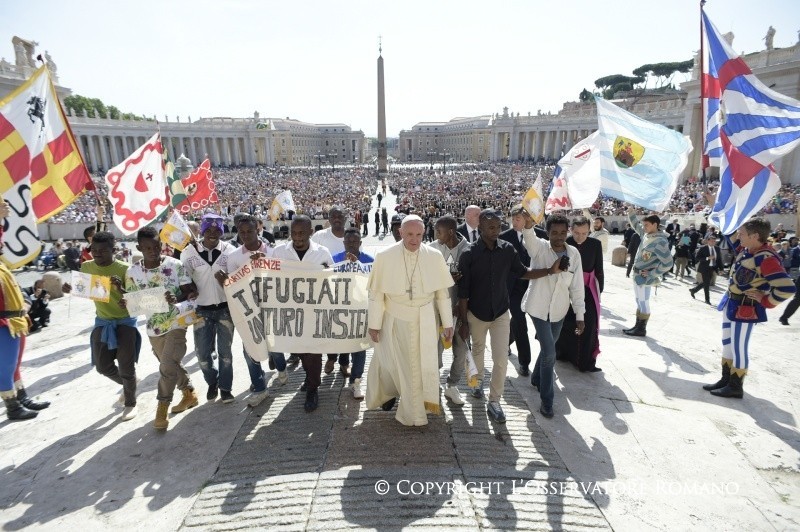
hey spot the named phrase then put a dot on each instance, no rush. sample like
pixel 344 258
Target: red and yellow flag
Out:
pixel 41 169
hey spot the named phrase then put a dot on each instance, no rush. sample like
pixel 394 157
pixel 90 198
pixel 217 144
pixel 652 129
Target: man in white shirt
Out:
pixel 252 248
pixel 333 239
pixel 469 229
pixel 549 297
pixel 600 232
pixel 300 248
pixel 198 260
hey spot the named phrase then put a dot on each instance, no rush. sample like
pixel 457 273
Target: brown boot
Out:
pixel 188 401
pixel 161 422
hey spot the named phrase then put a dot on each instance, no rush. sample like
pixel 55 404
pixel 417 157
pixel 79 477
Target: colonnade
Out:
pixel 550 144
pixel 101 152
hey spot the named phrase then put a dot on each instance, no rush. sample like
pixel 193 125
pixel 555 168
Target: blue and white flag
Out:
pixel 640 162
pixel 748 126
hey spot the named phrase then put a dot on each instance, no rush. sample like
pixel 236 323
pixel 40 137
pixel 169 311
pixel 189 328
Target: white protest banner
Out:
pixel 94 287
pixel 276 308
pixel 146 302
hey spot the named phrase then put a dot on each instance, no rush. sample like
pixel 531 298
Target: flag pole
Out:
pixel 703 110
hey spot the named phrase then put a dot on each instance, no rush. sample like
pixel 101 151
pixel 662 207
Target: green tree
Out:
pixel 609 85
pixel 663 72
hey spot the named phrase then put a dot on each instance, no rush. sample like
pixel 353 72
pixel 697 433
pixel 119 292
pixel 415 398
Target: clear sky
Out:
pixel 316 60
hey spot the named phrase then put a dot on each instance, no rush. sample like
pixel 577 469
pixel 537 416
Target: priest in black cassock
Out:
pixel 582 350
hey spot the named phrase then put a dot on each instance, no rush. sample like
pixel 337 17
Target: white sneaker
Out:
pixel 356 386
pixel 120 401
pixel 283 377
pixel 454 395
pixel 256 399
pixel 129 413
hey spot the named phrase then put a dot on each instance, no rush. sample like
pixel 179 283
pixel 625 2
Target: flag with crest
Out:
pixel 533 200
pixel 138 188
pixel 41 169
pixel 748 126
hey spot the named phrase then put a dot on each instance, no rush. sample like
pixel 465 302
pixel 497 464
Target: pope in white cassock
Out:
pixel 408 299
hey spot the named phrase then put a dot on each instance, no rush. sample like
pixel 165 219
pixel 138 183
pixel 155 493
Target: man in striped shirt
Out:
pixel 757 282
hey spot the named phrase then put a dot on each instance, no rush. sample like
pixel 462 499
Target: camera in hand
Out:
pixel 564 264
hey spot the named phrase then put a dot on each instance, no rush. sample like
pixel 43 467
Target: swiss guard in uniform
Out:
pixel 757 282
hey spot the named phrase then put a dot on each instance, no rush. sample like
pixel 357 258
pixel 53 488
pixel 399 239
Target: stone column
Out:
pixel 92 153
pixel 215 151
pixel 115 159
pixel 227 147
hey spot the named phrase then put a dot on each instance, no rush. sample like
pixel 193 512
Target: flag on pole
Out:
pixel 176 232
pixel 199 188
pixel 41 169
pixel 558 199
pixel 748 126
pixel 533 201
pixel 581 172
pixel 282 203
pixel 177 193
pixel 138 188
pixel 640 162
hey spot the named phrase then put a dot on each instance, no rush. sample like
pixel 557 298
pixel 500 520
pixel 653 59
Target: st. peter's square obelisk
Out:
pixel 381 115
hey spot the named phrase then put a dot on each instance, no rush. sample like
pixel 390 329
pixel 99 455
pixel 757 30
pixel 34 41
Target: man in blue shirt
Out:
pixel 352 259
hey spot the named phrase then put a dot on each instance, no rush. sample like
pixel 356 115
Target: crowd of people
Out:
pixel 419 188
pixel 553 275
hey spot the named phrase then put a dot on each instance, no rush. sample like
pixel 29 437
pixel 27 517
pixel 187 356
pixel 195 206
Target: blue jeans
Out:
pixel 279 359
pixel 257 378
pixel 359 359
pixel 217 325
pixel 542 374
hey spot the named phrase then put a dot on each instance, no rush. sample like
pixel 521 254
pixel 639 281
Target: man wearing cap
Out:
pixel 652 261
pixel 708 262
pixel 397 219
pixel 198 260
pixel 408 299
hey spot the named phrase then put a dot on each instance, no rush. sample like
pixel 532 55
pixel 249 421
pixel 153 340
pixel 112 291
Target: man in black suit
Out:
pixel 707 261
pixel 673 229
pixel 469 229
pixel 516 291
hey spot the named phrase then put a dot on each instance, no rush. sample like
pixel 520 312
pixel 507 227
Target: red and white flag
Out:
pixel 137 187
pixel 200 189
pixel 41 169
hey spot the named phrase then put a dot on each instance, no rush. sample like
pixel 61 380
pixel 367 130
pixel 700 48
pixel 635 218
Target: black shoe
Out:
pixel 783 321
pixel 226 396
pixel 732 389
pixel 691 292
pixel 304 386
pixel 15 411
pixel 212 393
pixel 293 360
pixel 388 405
pixel 546 411
pixel 534 383
pixel 312 401
pixel 30 404
pixel 477 393
pixel 523 371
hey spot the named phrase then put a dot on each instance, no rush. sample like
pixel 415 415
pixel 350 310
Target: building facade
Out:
pixel 508 136
pixel 459 140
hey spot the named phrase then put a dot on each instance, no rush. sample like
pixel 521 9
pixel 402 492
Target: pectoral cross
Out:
pixel 410 293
